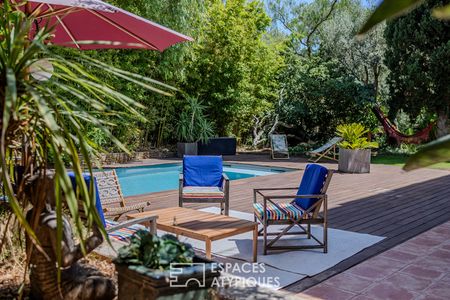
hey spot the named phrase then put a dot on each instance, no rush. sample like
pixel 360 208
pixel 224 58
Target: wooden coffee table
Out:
pixel 200 225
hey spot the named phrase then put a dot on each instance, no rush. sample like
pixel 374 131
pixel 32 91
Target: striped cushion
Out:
pixel 274 213
pixel 123 234
pixel 202 192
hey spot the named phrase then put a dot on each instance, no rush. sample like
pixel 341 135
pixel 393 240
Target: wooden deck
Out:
pixel 387 202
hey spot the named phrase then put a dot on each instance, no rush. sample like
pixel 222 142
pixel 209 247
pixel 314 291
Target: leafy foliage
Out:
pixel 155 252
pixel 193 125
pixel 161 112
pixel 319 96
pixel 393 8
pixel 234 69
pixel 361 59
pixel 354 137
pixel 388 9
pixel 439 150
pixel 44 123
pixel 418 80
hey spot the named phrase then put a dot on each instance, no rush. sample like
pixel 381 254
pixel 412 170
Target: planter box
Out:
pixel 186 149
pixel 218 146
pixel 139 282
pixel 354 161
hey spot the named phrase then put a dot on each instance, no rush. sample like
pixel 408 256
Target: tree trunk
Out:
pixel 442 124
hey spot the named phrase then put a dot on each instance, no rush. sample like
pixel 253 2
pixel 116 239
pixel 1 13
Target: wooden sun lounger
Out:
pixel 328 150
pixel 279 145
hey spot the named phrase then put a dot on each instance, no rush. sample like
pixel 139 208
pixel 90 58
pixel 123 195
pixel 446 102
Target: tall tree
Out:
pixel 318 96
pixel 302 20
pixel 234 69
pixel 418 47
pixel 361 58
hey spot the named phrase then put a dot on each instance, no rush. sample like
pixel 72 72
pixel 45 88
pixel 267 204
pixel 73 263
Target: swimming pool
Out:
pixel 157 178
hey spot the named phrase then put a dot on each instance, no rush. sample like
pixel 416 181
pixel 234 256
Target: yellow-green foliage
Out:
pixel 354 136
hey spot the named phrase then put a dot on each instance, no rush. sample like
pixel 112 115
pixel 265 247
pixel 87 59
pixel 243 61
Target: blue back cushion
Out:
pixel 98 203
pixel 312 183
pixel 202 170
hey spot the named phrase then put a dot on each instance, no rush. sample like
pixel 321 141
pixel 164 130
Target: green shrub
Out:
pixel 193 125
pixel 155 252
pixel 300 149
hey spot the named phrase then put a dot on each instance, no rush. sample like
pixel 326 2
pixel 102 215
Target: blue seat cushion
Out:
pixel 312 183
pixel 202 170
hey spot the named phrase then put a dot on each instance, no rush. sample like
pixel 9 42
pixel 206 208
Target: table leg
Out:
pixel 153 228
pixel 255 244
pixel 208 249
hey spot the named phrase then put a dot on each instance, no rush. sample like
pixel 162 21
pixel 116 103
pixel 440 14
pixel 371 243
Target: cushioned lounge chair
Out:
pixel 203 181
pixel 113 202
pixel 327 150
pixel 308 206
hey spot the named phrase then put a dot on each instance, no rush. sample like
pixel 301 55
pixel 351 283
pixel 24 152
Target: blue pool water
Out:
pixel 157 178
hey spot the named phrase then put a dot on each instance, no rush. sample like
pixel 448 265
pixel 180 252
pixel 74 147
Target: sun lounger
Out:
pixel 119 232
pixel 279 146
pixel 113 202
pixel 328 150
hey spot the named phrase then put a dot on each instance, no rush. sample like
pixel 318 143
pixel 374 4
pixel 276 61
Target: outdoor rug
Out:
pixel 289 266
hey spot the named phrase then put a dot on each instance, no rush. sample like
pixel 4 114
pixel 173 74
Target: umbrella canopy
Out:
pixel 78 23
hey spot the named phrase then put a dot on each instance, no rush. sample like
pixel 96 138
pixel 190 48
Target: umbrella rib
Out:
pixel 65 27
pixel 123 29
pixel 36 10
pixel 68 32
pixel 55 12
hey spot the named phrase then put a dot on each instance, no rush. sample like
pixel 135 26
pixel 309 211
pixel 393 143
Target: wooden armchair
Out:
pixel 203 181
pixel 308 206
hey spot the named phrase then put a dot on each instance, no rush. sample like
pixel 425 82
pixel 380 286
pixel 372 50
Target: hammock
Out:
pixel 395 135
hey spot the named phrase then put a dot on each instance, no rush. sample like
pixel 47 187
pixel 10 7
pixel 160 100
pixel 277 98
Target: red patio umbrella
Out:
pixel 80 22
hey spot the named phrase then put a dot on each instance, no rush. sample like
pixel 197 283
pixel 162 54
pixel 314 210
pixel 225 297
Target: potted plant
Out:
pixel 192 127
pixel 151 266
pixel 354 149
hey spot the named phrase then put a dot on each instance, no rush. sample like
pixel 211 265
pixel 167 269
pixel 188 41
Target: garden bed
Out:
pixel 12 276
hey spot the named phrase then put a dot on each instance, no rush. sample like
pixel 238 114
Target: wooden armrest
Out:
pixel 225 177
pixel 259 191
pixel 132 222
pixel 294 196
pixel 275 189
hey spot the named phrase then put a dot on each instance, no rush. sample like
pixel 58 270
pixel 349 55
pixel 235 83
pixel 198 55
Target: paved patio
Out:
pixel 416 269
pixel 387 202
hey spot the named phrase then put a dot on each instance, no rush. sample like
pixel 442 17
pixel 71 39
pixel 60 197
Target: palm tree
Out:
pixel 43 123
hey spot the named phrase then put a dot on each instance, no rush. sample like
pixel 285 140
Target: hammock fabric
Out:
pixel 395 135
